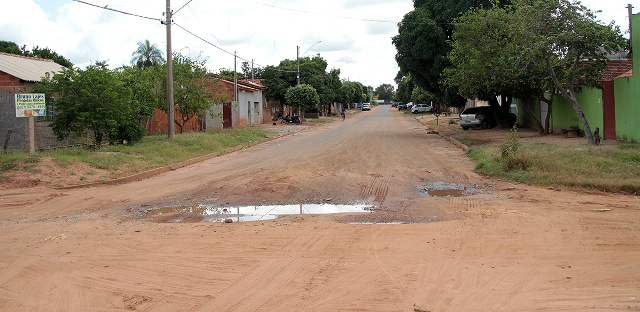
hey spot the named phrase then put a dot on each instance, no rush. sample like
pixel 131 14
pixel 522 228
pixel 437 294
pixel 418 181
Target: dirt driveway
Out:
pixel 497 247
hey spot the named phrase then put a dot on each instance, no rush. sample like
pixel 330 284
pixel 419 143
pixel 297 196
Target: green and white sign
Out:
pixel 30 104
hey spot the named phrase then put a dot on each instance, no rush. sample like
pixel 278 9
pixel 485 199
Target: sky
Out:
pixel 352 35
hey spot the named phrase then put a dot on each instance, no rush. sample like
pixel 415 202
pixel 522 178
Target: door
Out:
pixel 226 116
pixel 608 112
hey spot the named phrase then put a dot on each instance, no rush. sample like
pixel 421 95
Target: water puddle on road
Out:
pixel 260 213
pixel 447 189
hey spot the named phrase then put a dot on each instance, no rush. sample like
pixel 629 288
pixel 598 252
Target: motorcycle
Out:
pixel 291 120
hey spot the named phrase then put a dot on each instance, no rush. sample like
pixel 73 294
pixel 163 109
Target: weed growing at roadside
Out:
pixel 510 145
pixel 510 155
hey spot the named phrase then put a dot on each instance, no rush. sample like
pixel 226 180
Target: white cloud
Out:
pixel 266 31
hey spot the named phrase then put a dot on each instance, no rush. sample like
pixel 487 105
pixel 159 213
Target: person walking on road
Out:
pixel 342 112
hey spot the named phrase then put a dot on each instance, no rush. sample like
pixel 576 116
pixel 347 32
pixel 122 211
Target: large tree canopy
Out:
pixel 384 91
pixel 422 45
pixel 303 97
pixel 530 47
pixel 45 53
pixel 96 101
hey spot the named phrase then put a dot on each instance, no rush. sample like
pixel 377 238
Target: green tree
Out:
pixel 194 91
pixel 44 53
pixel 422 45
pixel 47 53
pixel 302 97
pixel 278 79
pixel 384 91
pixel 566 36
pixel 93 101
pixel 490 61
pixel 147 55
pixel 419 95
pixel 144 86
pixel 11 48
pixel 246 71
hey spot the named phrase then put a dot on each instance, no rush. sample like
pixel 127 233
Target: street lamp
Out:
pixel 305 52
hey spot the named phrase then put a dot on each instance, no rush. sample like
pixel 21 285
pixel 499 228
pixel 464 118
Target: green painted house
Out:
pixel 614 109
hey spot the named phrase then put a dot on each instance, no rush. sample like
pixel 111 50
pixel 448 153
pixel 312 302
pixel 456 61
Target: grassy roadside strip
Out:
pixel 611 168
pixel 152 152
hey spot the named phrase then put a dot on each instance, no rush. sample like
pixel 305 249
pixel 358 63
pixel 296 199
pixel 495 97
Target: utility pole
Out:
pixel 170 105
pixel 235 78
pixel 630 7
pixel 298 62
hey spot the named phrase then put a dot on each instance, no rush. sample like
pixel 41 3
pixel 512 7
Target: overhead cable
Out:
pixel 114 10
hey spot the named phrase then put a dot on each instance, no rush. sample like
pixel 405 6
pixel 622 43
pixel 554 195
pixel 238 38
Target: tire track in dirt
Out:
pixel 372 250
pixel 378 187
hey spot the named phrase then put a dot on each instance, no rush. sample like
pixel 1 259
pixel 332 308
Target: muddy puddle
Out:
pixel 259 213
pixel 447 189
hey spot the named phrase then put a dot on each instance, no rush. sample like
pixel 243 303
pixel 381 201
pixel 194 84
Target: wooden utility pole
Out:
pixel 630 7
pixel 298 62
pixel 170 105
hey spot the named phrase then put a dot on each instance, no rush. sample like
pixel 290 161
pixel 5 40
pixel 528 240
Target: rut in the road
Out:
pixel 378 187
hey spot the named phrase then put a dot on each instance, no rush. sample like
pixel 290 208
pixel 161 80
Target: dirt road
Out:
pixel 499 247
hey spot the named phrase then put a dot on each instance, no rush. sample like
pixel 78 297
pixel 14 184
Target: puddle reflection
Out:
pixel 259 213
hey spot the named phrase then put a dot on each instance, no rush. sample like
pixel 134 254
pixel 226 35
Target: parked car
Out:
pixel 421 108
pixel 481 116
pixel 402 106
pixel 409 105
pixel 366 106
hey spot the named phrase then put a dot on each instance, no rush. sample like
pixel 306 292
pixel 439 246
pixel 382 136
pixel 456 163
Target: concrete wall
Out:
pixel 247 113
pixel 627 94
pixel 10 123
pixel 213 118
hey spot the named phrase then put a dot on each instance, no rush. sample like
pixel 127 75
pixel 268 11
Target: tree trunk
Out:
pixel 536 120
pixel 570 95
pixel 549 102
pixel 583 119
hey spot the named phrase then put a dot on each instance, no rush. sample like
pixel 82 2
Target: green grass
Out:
pixel 151 152
pixel 601 168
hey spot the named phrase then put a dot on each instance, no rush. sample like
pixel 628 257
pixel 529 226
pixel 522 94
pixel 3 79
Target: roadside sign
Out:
pixel 30 104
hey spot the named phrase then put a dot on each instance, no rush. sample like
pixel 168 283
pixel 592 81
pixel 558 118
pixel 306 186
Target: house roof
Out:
pixel 246 85
pixel 617 68
pixel 27 68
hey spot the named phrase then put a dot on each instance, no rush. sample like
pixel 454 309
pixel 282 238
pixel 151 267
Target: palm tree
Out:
pixel 147 55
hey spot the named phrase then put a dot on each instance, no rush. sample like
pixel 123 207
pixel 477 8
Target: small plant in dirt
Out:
pixel 510 155
pixel 453 122
pixel 511 144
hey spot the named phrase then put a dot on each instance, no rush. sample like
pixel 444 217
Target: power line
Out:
pixel 176 12
pixel 225 51
pixel 114 10
pixel 314 13
pixel 174 23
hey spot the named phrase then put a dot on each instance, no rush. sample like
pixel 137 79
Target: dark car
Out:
pixel 481 116
pixel 402 106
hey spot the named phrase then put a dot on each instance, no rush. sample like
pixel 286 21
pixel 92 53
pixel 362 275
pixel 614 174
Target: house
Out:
pixel 614 109
pixel 19 74
pixel 248 110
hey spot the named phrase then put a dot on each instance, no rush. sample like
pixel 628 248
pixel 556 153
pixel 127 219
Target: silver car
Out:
pixel 421 108
pixel 481 116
